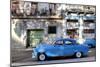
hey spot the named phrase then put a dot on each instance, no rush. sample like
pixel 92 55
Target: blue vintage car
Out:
pixel 60 47
pixel 90 42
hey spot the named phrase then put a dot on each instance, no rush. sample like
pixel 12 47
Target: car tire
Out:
pixel 42 56
pixel 78 54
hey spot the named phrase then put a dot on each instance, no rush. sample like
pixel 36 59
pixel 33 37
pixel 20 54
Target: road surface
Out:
pixel 24 57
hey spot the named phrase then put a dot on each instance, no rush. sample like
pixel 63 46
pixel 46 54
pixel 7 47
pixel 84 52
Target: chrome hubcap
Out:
pixel 78 54
pixel 42 57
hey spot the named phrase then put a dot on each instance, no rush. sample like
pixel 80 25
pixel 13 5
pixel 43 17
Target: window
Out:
pixel 67 42
pixel 92 21
pixel 89 31
pixel 59 42
pixel 52 30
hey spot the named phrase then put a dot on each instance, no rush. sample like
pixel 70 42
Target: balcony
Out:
pixel 72 17
pixel 89 17
pixel 72 25
pixel 89 25
pixel 74 8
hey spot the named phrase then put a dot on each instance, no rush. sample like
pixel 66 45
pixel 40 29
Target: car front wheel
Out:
pixel 41 57
pixel 78 54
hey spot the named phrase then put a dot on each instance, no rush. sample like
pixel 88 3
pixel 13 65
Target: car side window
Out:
pixel 67 42
pixel 59 42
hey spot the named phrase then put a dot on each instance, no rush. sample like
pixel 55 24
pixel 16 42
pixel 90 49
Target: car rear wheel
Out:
pixel 41 57
pixel 78 54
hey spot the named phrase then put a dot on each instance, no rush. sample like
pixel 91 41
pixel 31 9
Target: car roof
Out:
pixel 69 39
pixel 66 39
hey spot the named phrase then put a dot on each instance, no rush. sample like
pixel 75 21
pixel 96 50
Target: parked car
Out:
pixel 90 42
pixel 60 47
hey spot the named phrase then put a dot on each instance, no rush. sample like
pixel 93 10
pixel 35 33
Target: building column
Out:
pixel 64 28
pixel 46 28
pixel 81 30
pixel 21 3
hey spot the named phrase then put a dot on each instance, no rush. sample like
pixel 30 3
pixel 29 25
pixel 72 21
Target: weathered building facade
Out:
pixel 33 22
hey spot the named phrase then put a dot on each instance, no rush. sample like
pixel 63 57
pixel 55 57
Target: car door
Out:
pixel 59 47
pixel 68 48
pixel 55 49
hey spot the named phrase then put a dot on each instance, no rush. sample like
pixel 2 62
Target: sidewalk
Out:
pixel 18 54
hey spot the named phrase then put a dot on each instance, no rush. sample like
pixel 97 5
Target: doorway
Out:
pixel 34 37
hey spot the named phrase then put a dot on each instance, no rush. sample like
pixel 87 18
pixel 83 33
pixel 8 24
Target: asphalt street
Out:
pixel 24 57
